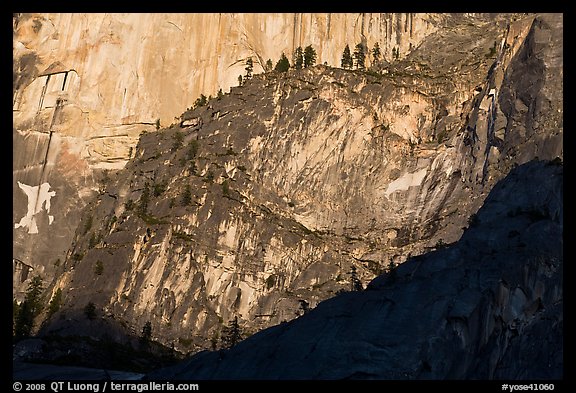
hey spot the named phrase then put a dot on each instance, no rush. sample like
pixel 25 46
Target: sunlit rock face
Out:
pixel 86 85
pixel 268 195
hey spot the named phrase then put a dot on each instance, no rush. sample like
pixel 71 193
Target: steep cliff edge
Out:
pixel 267 196
pixel 487 307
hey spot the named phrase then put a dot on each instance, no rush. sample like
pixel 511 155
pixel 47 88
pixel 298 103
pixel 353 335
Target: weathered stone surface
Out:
pixel 292 179
pixel 270 194
pixel 86 85
pixel 140 67
pixel 487 307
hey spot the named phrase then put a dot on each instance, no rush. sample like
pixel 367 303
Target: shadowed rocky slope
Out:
pixel 487 307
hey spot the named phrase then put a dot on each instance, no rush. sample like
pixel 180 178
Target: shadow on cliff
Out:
pixel 486 307
pixel 98 344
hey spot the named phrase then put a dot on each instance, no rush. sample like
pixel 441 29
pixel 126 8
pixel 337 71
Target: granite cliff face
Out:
pixel 487 307
pixel 267 196
pixel 86 85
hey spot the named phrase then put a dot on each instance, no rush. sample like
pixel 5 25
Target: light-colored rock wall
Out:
pixel 87 85
pixel 136 68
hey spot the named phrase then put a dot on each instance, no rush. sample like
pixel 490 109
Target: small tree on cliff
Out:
pixel 283 64
pixel 99 268
pixel 392 270
pixel 298 58
pixel 146 335
pixel 309 56
pixel 231 334
pixel 355 282
pixel 186 195
pixel 200 101
pixel 249 68
pixel 346 58
pixel 304 307
pixel 90 311
pixel 29 309
pixel 142 207
pixel 376 53
pixel 360 56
